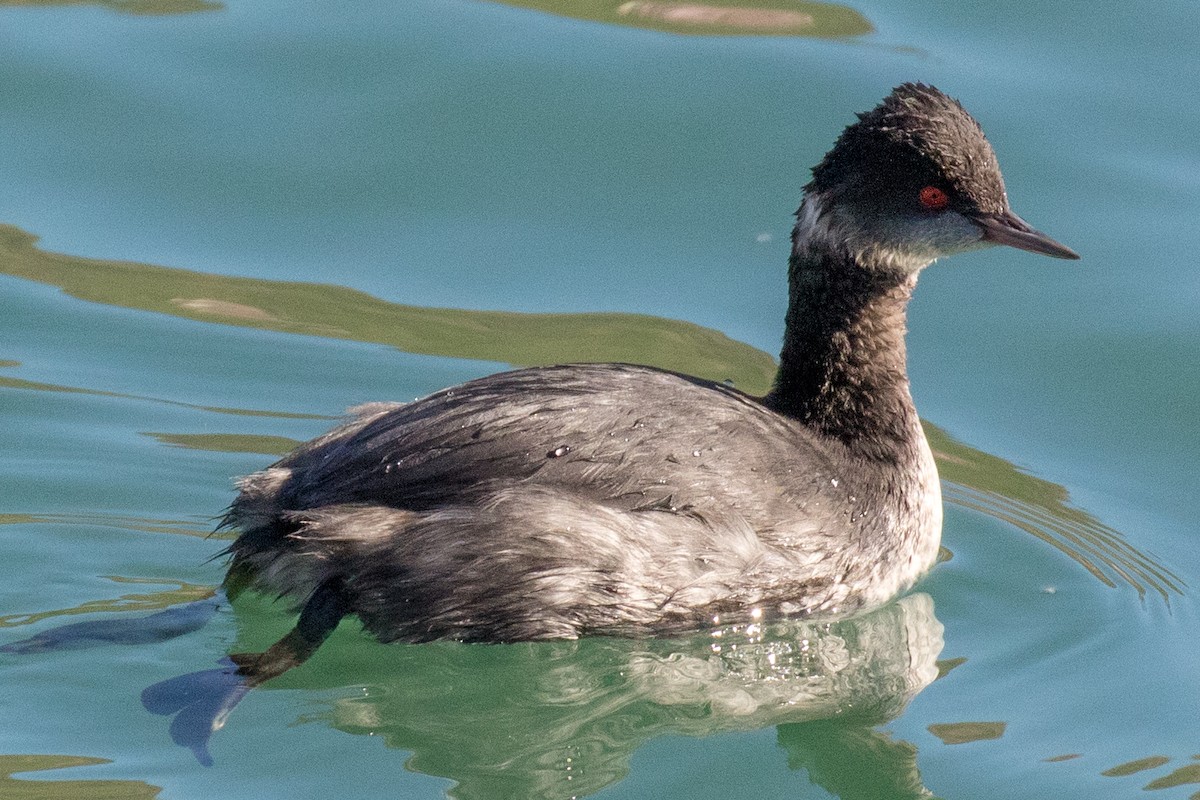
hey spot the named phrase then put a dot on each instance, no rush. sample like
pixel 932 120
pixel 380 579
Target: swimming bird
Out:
pixel 564 501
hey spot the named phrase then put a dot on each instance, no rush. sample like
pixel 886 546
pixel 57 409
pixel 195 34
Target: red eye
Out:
pixel 934 198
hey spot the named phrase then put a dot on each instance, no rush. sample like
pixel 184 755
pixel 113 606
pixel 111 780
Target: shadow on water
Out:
pixel 714 17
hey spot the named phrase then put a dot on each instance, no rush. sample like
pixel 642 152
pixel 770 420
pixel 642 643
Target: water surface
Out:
pixel 224 224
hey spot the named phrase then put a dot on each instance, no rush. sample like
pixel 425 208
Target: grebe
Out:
pixel 616 499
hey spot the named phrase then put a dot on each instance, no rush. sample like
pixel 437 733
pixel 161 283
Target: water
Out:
pixel 490 157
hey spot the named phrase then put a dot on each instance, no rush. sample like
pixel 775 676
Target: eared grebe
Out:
pixel 617 499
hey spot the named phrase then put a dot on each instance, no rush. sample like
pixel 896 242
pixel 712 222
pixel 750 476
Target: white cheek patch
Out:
pixel 821 227
pixel 906 244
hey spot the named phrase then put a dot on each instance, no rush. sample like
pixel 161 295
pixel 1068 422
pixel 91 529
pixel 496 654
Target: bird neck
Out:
pixel 843 368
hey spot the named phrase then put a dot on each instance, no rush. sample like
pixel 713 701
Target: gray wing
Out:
pixel 611 433
pixel 500 509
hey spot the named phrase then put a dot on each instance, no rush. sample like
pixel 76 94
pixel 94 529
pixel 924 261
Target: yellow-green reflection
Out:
pixel 984 482
pixel 964 732
pixel 946 665
pixel 202 529
pixel 1130 767
pixel 16 789
pixel 19 383
pixel 148 7
pixel 229 442
pixel 1063 757
pixel 341 313
pixel 148 601
pixel 714 17
pixel 1181 776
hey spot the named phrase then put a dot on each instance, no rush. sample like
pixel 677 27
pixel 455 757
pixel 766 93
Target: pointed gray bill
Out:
pixel 1009 229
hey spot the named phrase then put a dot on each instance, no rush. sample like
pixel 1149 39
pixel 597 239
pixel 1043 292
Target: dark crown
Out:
pixel 916 136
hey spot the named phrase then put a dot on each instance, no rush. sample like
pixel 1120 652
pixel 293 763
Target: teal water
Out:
pixel 465 154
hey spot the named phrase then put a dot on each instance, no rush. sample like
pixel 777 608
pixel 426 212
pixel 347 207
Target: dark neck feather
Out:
pixel 842 370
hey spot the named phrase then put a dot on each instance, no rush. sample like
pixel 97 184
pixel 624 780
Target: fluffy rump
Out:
pixel 477 572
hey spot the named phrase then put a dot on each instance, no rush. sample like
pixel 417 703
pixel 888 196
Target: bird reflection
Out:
pixel 563 719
